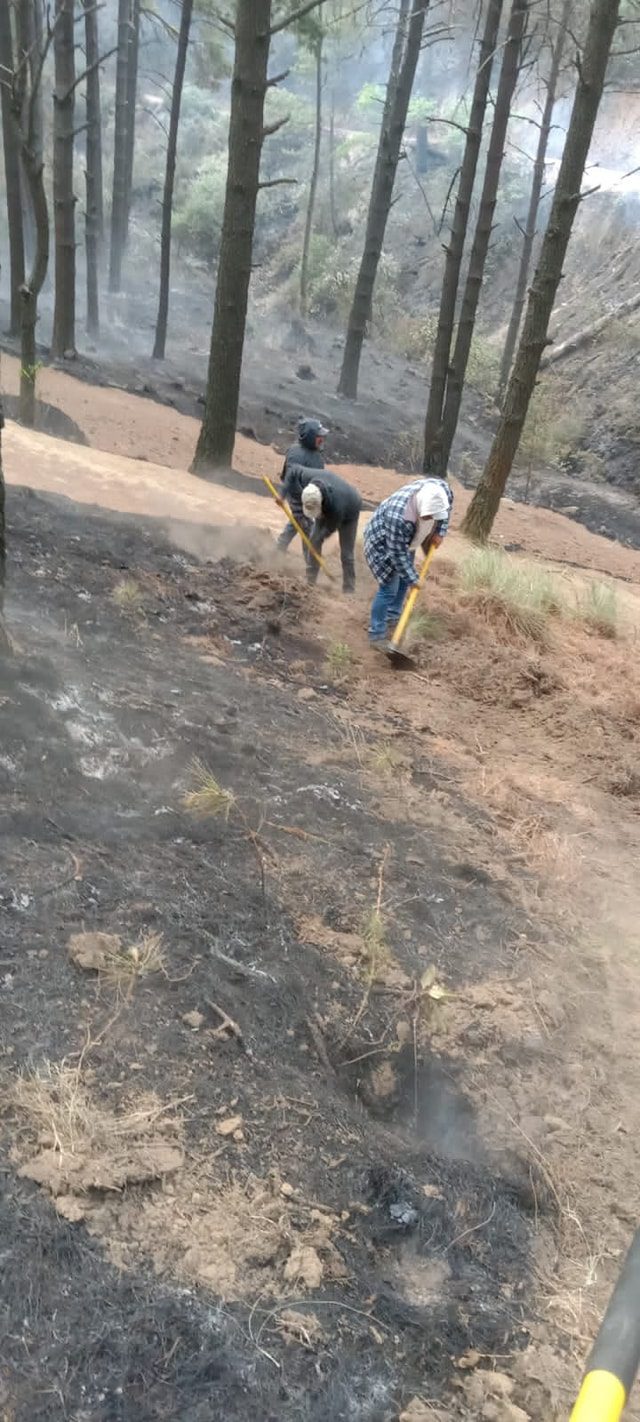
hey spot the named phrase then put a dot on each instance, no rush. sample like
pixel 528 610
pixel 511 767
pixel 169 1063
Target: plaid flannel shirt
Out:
pixel 389 534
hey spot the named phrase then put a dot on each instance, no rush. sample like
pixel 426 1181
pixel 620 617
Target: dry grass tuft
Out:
pixel 386 760
pixel 339 661
pixel 141 960
pixel 56 1108
pixel 598 609
pixel 424 627
pixel 208 799
pixel 127 595
pixel 520 594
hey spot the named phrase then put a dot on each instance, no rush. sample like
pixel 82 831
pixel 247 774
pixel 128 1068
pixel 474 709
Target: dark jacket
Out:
pixel 341 503
pixel 297 457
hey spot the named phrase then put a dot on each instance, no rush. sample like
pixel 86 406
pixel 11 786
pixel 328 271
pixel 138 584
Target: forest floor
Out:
pixel 339 1121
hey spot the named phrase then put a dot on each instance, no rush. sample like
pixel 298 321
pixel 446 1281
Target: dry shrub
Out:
pixel 208 799
pixel 127 596
pixel 521 596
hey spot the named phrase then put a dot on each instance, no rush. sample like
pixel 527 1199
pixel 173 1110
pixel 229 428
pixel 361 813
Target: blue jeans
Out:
pixel 387 606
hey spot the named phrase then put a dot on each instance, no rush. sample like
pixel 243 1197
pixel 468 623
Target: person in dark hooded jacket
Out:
pixel 306 454
pixel 334 507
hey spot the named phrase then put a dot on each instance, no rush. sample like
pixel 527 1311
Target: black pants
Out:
pixel 347 533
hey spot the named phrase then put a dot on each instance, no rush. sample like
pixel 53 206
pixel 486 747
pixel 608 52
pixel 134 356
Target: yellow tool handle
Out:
pixel 411 599
pixel 292 519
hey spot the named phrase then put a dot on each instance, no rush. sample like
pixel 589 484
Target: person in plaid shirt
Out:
pixel 417 516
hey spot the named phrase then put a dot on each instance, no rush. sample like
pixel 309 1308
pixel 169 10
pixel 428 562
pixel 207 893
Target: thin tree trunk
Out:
pixel 511 60
pixel 169 179
pixel 591 76
pixel 27 120
pixel 313 187
pixel 12 171
pixel 94 215
pixel 128 10
pixel 132 91
pixel 64 203
pixel 3 539
pixel 246 137
pixel 332 167
pixel 534 201
pixel 454 252
pixel 391 134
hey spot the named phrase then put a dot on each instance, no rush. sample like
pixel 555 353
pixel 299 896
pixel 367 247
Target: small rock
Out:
pixel 229 1126
pixel 193 1019
pixel 304 372
pixel 306 693
pixel 286 1190
pixel 304 1267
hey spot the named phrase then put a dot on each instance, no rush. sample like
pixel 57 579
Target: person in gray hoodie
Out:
pixel 306 454
pixel 335 507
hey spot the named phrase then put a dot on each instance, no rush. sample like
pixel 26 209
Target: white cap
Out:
pixel 312 501
pixel 432 501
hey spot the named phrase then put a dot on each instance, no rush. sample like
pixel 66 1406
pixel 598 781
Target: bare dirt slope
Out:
pixel 132 428
pixel 342 1113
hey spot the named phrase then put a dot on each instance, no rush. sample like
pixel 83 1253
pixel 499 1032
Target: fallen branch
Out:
pixel 589 333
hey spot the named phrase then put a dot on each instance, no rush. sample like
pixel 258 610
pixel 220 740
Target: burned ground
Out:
pixel 420 1238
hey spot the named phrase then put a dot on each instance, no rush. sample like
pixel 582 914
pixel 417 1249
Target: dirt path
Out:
pixel 130 427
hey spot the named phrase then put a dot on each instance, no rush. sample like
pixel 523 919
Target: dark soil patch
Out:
pixel 103 709
pixel 49 419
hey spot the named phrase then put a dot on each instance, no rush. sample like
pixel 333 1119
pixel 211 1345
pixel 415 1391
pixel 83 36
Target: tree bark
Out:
pixel 169 179
pixel 246 136
pixel 406 54
pixel 332 167
pixel 510 68
pixel 12 171
pixel 591 76
pixel 534 201
pixel 124 136
pixel 433 462
pixel 132 91
pixel 64 203
pixel 3 536
pixel 26 119
pixel 313 186
pixel 94 215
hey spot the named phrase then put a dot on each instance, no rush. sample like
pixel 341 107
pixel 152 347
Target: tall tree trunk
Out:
pixel 64 204
pixel 591 76
pixel 3 538
pixel 332 167
pixel 313 186
pixel 169 179
pixel 12 171
pixel 132 91
pixel 511 60
pixel 246 137
pixel 27 120
pixel 534 201
pixel 408 41
pixel 455 250
pixel 94 215
pixel 128 24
